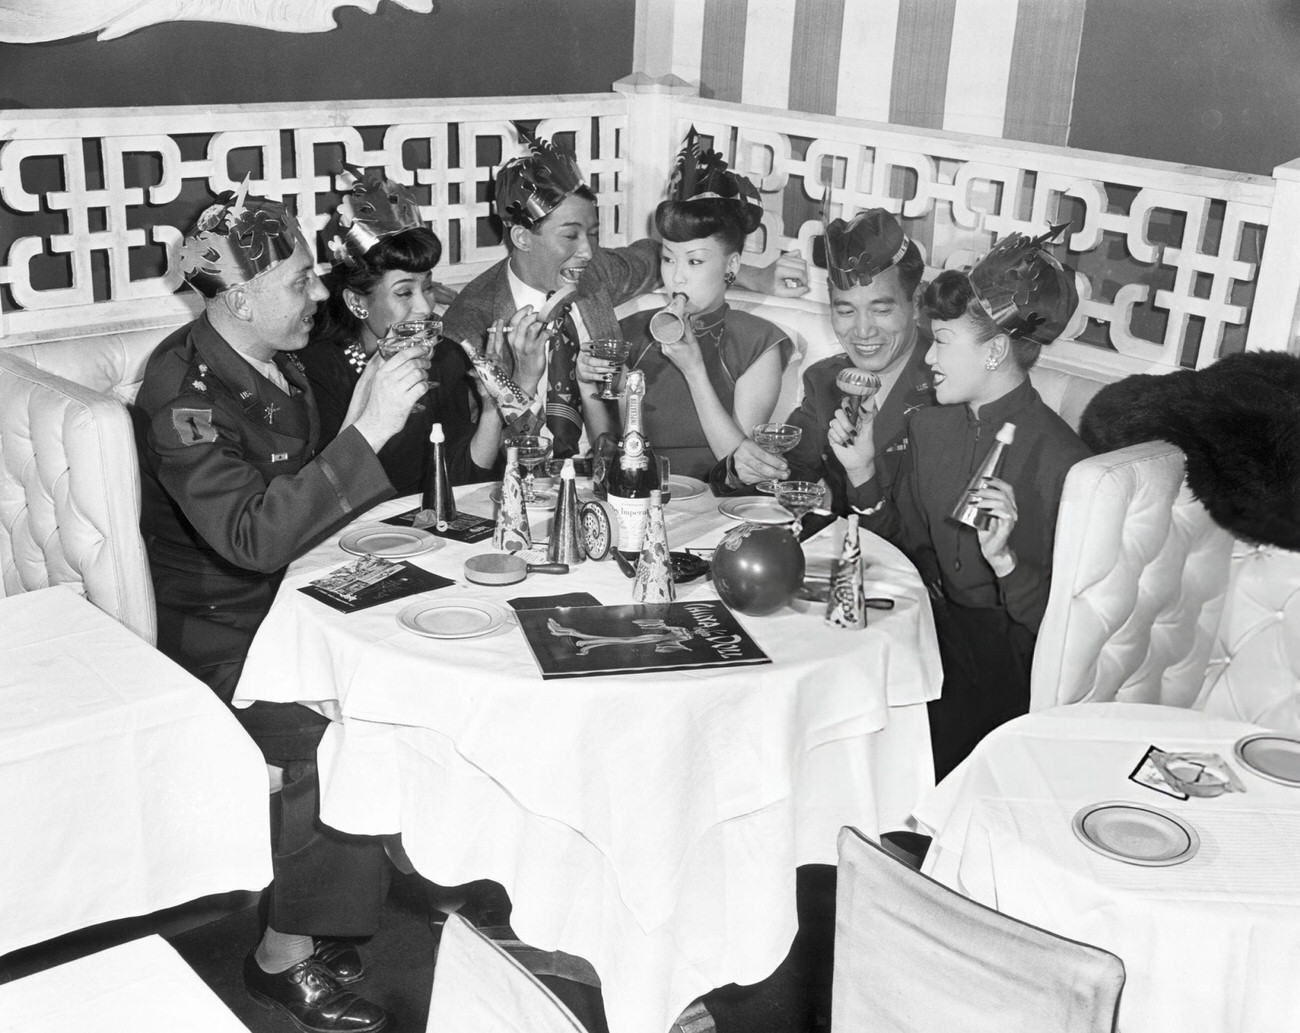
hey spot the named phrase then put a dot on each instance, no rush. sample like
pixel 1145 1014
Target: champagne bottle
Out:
pixel 633 473
pixel 969 512
pixel 654 575
pixel 438 504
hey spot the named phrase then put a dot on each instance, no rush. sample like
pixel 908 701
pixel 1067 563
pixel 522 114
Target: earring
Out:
pixel 991 364
pixel 361 313
pixel 729 277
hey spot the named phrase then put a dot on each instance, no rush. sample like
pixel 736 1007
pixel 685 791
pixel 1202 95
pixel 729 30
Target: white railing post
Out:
pixel 1275 313
pixel 651 142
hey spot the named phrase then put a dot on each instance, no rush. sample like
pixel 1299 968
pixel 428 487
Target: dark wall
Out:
pixel 1202 82
pixel 466 48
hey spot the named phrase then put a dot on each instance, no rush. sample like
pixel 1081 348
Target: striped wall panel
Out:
pixel 1002 68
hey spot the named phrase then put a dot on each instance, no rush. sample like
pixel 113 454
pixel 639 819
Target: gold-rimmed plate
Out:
pixel 1271 755
pixel 388 542
pixel 755 510
pixel 453 618
pixel 683 488
pixel 1136 833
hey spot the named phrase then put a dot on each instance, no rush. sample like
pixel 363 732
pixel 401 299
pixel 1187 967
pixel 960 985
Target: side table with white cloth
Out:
pixel 125 785
pixel 142 986
pixel 649 823
pixel 1212 944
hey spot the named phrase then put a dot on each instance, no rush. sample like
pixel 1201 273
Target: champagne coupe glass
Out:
pixel 417 335
pixel 532 449
pixel 857 386
pixel 775 439
pixel 616 352
pixel 800 498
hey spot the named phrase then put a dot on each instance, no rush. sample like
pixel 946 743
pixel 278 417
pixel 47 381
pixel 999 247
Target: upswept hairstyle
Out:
pixel 416 250
pixel 951 295
pixel 680 221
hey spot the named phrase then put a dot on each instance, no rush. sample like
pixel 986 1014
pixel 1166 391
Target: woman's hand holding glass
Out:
pixel 416 336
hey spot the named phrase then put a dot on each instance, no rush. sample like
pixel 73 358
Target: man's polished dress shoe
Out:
pixel 312 998
pixel 342 959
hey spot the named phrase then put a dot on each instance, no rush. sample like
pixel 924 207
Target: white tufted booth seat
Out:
pixel 70 494
pixel 1254 669
pixel 112 364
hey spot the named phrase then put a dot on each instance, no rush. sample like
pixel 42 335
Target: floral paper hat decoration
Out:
pixel 860 250
pixel 701 175
pixel 236 239
pixel 1026 291
pixel 375 207
pixel 529 188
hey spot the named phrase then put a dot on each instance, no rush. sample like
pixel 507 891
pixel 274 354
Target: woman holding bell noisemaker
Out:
pixel 712 373
pixel 981 538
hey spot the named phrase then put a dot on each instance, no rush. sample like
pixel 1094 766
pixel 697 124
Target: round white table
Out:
pixel 1211 945
pixel 650 823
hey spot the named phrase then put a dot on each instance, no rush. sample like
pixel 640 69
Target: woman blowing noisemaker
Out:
pixel 989 584
pixel 706 389
pixel 382 275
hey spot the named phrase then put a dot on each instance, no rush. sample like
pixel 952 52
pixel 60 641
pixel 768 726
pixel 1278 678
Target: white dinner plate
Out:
pixel 684 488
pixel 1272 755
pixel 1136 833
pixel 388 541
pixel 453 618
pixel 755 510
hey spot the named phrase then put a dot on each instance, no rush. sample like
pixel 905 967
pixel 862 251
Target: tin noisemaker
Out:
pixel 654 575
pixel 438 504
pixel 565 545
pixel 845 606
pixel 967 511
pixel 667 326
pixel 512 533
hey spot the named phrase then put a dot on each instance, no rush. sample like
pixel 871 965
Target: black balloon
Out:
pixel 757 569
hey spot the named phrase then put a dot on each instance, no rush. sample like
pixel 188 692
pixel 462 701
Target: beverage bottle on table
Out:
pixel 969 512
pixel 438 504
pixel 654 575
pixel 512 533
pixel 633 473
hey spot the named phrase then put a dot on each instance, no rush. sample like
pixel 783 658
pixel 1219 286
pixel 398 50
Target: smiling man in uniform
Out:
pixel 233 489
pixel 874 274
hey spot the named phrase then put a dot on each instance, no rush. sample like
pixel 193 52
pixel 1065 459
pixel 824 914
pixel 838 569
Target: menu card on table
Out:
pixel 369 581
pixel 584 641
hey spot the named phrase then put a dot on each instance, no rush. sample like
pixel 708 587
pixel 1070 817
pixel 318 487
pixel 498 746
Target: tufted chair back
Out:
pixel 1139 579
pixel 1254 669
pixel 70 494
pixel 112 364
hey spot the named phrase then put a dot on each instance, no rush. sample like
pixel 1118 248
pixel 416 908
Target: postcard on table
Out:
pixel 591 640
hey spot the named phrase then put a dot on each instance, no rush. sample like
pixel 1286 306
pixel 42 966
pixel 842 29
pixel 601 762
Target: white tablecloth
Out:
pixel 139 987
pixel 649 823
pixel 125 785
pixel 1211 945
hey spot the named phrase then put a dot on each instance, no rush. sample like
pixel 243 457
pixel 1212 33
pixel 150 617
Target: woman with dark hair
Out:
pixel 705 391
pixel 383 275
pixel 989 584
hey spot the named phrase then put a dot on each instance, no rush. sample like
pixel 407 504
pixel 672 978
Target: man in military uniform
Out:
pixel 874 274
pixel 552 229
pixel 234 488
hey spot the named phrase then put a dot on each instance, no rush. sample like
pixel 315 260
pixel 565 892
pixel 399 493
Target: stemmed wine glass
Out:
pixel 800 498
pixel 532 449
pixel 775 439
pixel 616 351
pixel 417 335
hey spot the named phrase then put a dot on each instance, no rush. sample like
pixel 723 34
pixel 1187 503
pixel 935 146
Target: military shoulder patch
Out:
pixel 194 426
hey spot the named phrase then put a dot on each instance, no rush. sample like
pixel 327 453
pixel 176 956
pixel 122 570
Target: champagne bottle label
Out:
pixel 634 457
pixel 632 516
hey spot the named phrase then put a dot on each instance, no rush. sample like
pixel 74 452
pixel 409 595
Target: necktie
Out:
pixel 563 407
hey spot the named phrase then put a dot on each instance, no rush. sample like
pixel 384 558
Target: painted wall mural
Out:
pixel 42 21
